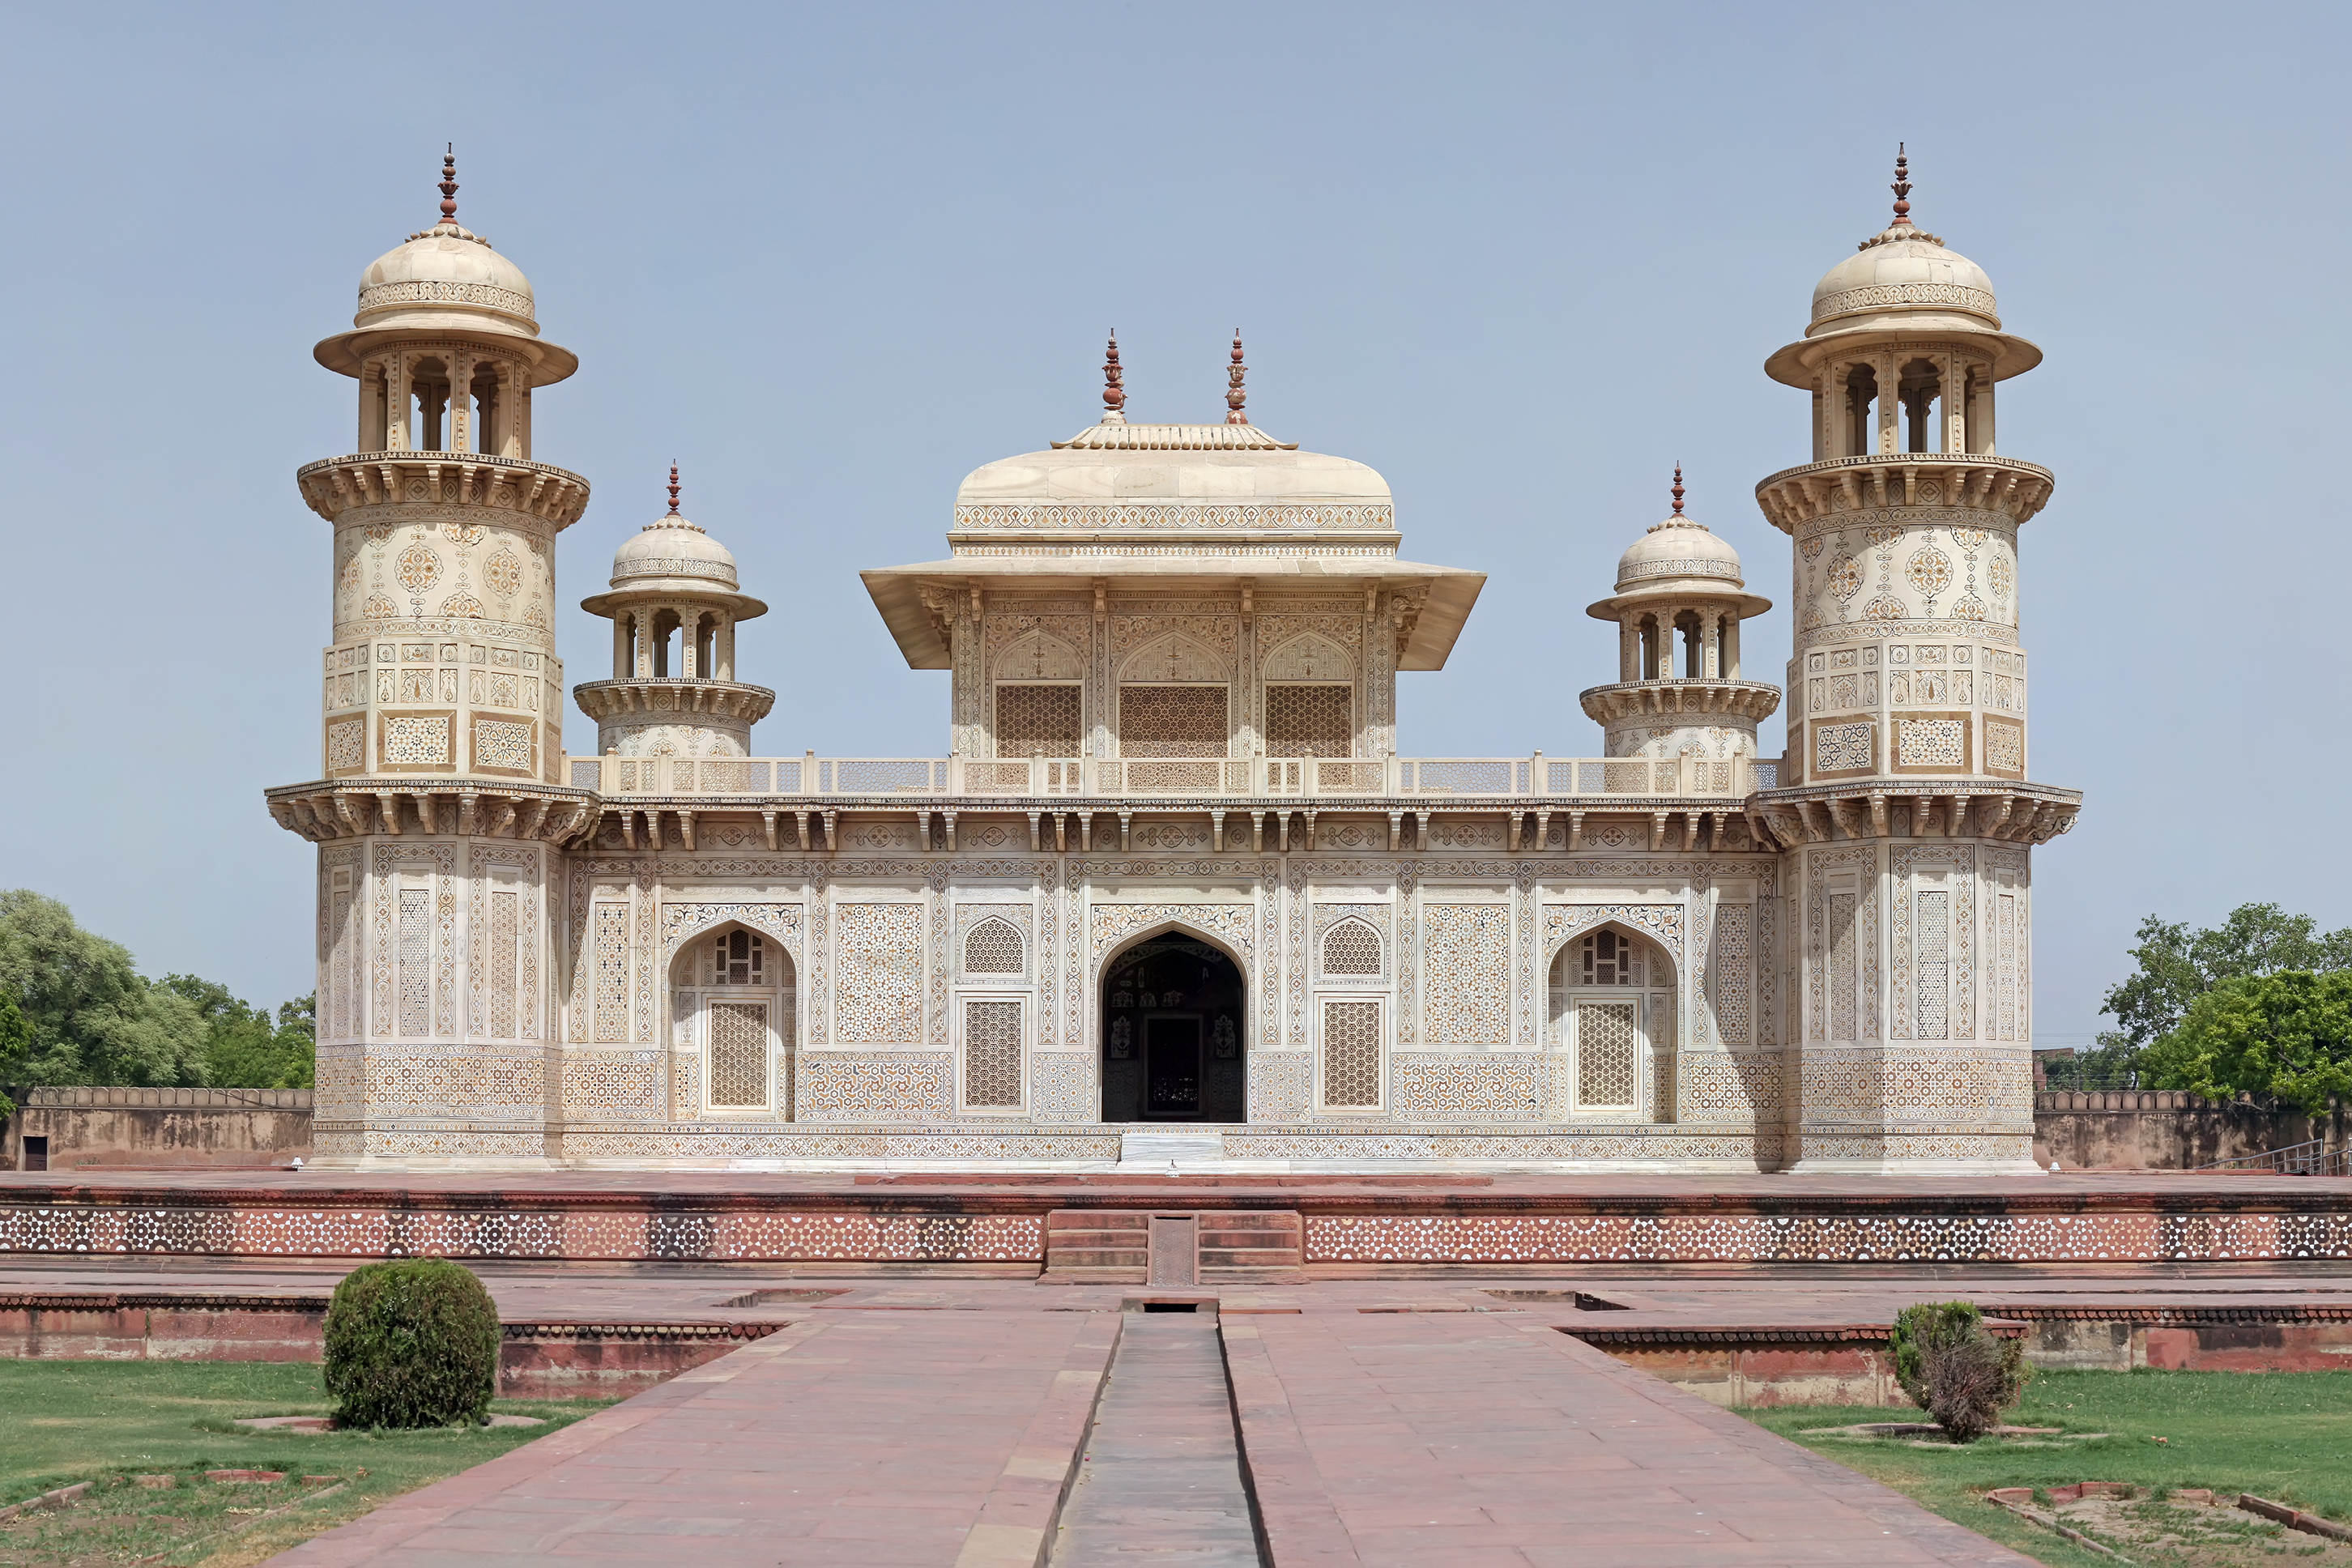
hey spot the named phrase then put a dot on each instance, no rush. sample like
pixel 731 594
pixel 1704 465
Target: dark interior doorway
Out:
pixel 1172 1034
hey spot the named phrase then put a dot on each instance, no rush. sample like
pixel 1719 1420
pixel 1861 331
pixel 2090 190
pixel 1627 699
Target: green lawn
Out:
pixel 2287 1435
pixel 68 1421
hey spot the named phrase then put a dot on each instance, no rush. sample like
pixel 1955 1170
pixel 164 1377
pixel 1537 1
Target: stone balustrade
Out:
pixel 1531 777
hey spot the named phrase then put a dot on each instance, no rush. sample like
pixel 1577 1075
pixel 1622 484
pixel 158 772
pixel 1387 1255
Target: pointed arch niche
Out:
pixel 1174 1039
pixel 1313 701
pixel 1612 1027
pixel 734 1029
pixel 1039 697
pixel 1174 697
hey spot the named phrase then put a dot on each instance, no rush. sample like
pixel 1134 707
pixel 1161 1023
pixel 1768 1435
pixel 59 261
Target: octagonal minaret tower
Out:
pixel 674 607
pixel 1679 603
pixel 438 804
pixel 443 663
pixel 1904 806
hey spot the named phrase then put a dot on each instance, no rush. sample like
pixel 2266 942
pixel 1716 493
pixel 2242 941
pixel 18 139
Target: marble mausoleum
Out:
pixel 1171 892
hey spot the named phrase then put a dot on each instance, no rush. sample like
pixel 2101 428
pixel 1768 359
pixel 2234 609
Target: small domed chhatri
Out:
pixel 673 606
pixel 1679 581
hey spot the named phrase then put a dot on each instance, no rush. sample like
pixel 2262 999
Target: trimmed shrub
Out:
pixel 1962 1376
pixel 412 1343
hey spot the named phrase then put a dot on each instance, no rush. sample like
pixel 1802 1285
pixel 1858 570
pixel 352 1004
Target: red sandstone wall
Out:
pixel 178 1127
pixel 536 1361
pixel 2134 1129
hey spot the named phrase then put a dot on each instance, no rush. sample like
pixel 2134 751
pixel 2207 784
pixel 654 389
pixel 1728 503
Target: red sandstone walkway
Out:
pixel 1412 1439
pixel 947 1437
pixel 875 1440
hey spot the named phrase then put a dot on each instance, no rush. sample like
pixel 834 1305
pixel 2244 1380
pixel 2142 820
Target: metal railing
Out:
pixel 1533 777
pixel 2312 1159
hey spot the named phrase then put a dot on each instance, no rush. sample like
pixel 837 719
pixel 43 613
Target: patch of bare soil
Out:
pixel 2173 1530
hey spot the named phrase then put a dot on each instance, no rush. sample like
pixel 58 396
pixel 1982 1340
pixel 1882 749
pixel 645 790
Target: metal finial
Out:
pixel 1902 185
pixel 1678 490
pixel 449 185
pixel 1114 395
pixel 673 490
pixel 1235 395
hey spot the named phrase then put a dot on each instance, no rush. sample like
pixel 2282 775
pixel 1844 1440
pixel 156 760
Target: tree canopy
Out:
pixel 86 1016
pixel 2287 1036
pixel 2256 1005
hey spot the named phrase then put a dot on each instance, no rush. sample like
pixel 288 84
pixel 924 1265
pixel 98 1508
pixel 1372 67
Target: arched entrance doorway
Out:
pixel 1173 1027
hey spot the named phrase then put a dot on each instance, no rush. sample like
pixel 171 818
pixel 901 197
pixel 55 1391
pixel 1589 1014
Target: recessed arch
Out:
pixel 733 1031
pixel 1174 656
pixel 1614 1018
pixel 1173 1025
pixel 1037 656
pixel 1310 656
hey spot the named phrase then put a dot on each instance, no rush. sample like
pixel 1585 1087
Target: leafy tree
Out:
pixel 2177 965
pixel 16 1045
pixel 93 1019
pixel 2288 1035
pixel 243 1050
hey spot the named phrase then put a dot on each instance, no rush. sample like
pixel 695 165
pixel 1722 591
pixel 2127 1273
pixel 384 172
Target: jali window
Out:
pixel 992 948
pixel 1610 960
pixel 1171 721
pixel 1037 720
pixel 1309 721
pixel 1352 948
pixel 739 958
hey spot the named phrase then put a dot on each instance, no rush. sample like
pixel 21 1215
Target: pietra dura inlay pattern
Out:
pixel 995 1228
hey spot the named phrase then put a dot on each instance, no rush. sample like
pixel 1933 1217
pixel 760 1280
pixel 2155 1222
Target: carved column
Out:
pixel 398 415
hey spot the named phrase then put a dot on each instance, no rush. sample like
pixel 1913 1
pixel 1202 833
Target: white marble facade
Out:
pixel 1172 872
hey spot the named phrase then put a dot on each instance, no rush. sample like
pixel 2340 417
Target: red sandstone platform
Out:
pixel 1246 1227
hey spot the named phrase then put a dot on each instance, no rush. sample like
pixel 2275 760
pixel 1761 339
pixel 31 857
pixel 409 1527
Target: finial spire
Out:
pixel 672 490
pixel 449 185
pixel 1902 186
pixel 1114 395
pixel 1678 490
pixel 1235 395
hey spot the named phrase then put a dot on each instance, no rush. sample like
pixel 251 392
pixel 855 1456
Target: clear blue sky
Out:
pixel 1519 259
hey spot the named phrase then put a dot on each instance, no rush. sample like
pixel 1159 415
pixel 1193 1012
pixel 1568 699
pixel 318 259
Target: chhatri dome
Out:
pixel 1679 591
pixel 672 557
pixel 1903 279
pixel 674 607
pixel 447 278
pixel 1676 558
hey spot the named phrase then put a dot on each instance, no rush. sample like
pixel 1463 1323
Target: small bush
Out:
pixel 1962 1376
pixel 412 1343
